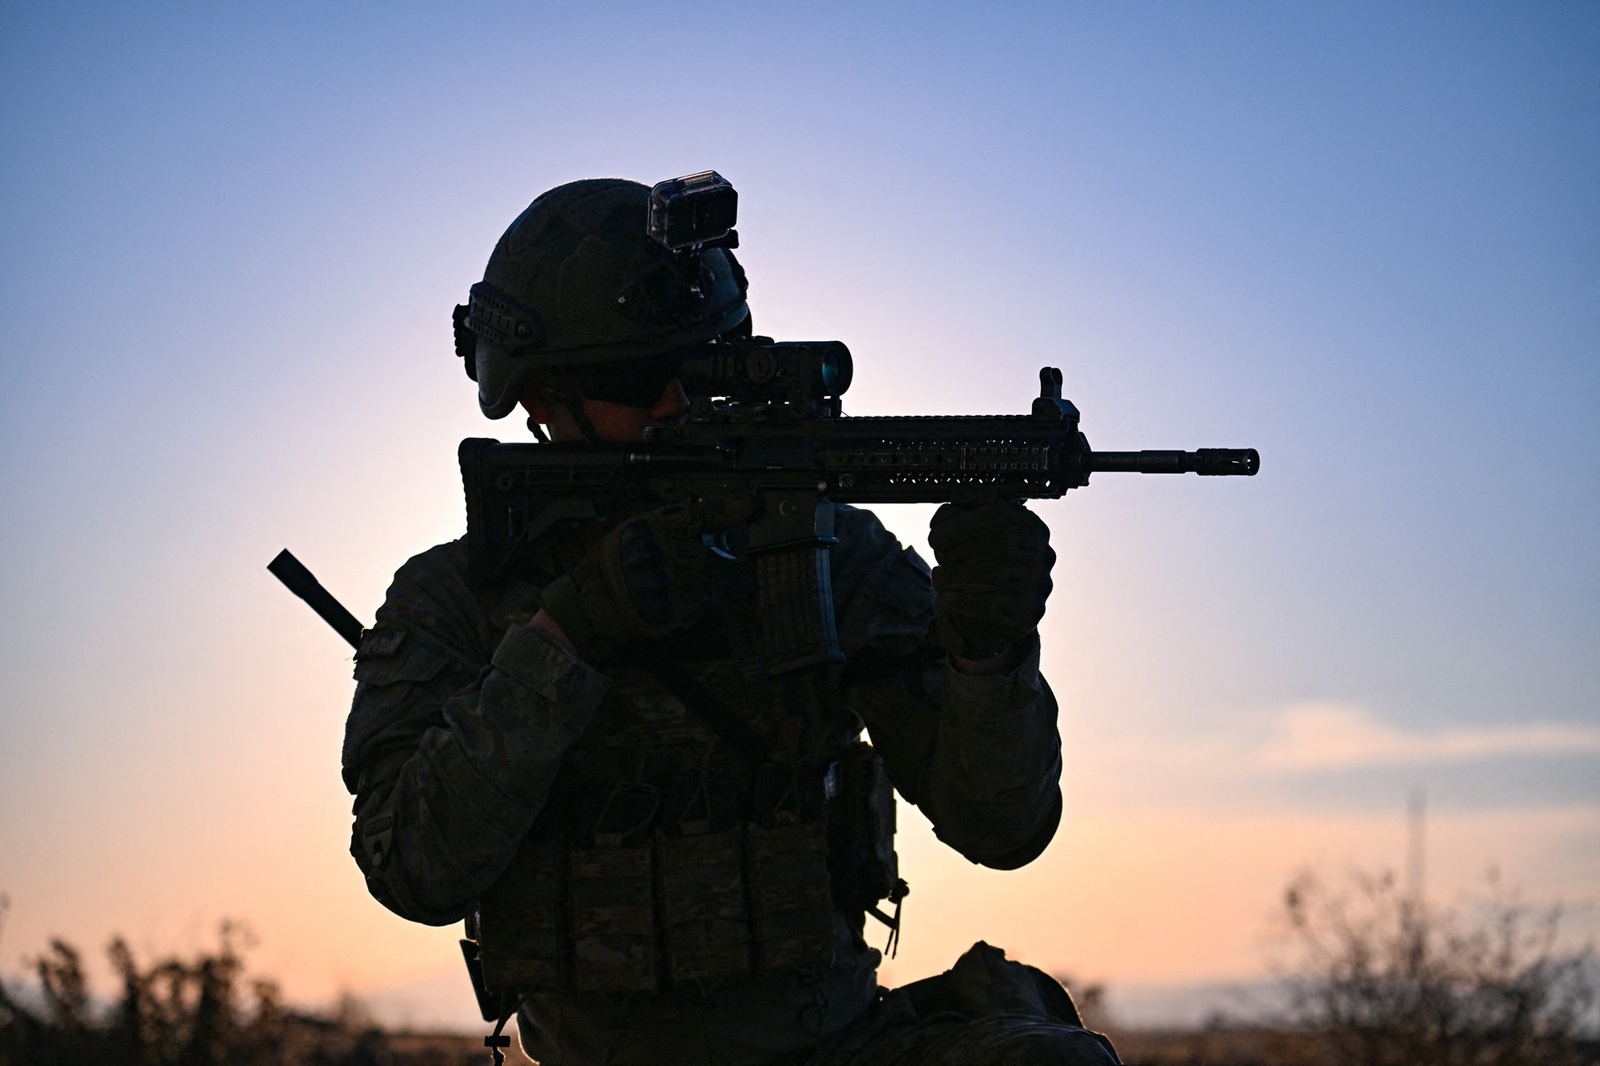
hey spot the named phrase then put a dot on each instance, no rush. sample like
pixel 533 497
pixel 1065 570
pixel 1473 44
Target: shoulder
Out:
pixel 437 571
pixel 432 636
pixel 434 600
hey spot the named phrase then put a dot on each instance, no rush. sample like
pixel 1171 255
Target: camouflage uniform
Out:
pixel 664 886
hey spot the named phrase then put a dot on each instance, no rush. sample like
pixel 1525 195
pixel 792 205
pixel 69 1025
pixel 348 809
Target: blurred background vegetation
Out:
pixel 1370 976
pixel 204 1011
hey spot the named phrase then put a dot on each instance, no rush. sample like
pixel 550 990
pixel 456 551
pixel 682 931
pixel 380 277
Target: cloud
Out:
pixel 1315 741
pixel 1317 736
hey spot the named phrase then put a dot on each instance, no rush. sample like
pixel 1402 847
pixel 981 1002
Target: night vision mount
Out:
pixel 695 212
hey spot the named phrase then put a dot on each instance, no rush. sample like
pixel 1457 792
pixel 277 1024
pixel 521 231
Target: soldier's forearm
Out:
pixel 433 831
pixel 991 785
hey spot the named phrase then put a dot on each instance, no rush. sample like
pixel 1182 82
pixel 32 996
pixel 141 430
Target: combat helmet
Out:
pixel 577 281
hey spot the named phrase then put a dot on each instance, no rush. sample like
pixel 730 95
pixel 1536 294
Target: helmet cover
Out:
pixel 576 280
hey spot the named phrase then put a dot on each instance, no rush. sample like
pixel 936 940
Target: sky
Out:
pixel 1363 238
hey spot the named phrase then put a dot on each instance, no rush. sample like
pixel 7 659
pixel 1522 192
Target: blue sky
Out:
pixel 1363 238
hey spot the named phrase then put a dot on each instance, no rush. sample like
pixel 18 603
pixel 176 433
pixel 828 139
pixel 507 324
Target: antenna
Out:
pixel 1416 832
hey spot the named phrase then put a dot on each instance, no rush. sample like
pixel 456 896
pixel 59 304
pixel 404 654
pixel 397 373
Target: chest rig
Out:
pixel 710 824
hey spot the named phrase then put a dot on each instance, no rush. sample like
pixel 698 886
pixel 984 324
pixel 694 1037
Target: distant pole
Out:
pixel 1416 829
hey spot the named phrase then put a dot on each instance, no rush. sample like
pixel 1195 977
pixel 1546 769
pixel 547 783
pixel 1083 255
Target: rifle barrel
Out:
pixel 1207 462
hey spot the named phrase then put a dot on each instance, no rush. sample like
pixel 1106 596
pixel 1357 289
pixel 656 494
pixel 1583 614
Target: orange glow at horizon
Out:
pixel 1363 244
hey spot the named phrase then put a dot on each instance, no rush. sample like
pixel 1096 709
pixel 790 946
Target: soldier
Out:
pixel 662 853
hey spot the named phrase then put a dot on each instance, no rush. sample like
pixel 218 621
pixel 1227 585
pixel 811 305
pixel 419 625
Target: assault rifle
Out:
pixel 766 423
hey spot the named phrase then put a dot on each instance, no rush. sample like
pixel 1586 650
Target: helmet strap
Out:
pixel 565 396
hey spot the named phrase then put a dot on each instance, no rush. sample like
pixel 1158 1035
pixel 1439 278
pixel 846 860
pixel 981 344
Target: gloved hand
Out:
pixel 644 580
pixel 993 576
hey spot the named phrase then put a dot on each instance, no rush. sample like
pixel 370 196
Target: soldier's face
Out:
pixel 616 423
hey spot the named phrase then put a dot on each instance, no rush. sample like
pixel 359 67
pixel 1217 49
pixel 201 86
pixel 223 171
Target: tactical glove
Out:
pixel 644 580
pixel 993 576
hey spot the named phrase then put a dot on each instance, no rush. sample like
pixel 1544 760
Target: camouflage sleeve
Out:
pixel 981 756
pixel 453 739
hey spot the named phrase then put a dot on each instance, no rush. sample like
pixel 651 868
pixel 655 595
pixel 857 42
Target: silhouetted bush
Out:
pixel 1375 978
pixel 1381 979
pixel 195 1013
pixel 1089 997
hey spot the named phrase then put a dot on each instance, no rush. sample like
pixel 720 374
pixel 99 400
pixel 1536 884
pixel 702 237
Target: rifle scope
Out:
pixel 806 377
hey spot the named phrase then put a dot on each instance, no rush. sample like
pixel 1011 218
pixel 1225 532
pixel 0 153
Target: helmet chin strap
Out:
pixel 567 398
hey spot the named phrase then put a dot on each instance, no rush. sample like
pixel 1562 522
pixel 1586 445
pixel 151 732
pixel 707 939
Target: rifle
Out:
pixel 766 423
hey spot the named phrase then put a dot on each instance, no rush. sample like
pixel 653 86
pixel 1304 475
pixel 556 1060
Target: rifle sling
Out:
pixel 708 707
